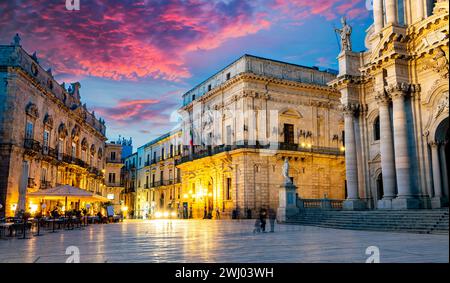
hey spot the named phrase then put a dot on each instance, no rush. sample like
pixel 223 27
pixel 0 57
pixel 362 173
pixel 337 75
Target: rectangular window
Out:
pixel 29 131
pixel 113 155
pixel 161 176
pixel 171 150
pixel 162 153
pixel 228 76
pixel 209 87
pixel 228 141
pixel 60 148
pixel 288 133
pixel 44 174
pixel 74 149
pixel 228 189
pixel 401 12
pixel 45 141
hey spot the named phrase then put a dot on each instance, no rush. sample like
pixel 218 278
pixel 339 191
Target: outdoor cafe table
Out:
pixel 4 227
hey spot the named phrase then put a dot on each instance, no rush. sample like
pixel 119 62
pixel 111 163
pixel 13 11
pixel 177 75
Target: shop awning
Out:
pixel 69 192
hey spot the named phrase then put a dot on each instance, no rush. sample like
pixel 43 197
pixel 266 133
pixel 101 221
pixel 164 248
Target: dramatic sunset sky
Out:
pixel 135 59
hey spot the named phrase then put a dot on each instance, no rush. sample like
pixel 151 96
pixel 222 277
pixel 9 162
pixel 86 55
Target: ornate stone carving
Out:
pixel 398 89
pixel 438 63
pixel 84 144
pixel 32 110
pixel 48 120
pixel 350 108
pixel 75 133
pixel 92 150
pixel 382 98
pixel 62 131
pixel 442 105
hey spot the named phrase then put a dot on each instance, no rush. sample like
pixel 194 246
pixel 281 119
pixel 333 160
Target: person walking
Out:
pixel 272 217
pixel 262 218
pixel 257 228
pixel 217 213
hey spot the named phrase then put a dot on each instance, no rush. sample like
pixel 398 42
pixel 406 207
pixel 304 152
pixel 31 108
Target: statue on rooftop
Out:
pixel 16 40
pixel 345 33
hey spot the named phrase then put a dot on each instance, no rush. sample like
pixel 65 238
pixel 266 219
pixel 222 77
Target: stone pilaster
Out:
pixel 387 152
pixel 353 201
pixel 444 170
pixel 406 198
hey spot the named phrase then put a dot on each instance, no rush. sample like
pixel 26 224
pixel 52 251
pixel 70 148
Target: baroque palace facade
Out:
pixel 47 137
pixel 395 102
pixel 237 128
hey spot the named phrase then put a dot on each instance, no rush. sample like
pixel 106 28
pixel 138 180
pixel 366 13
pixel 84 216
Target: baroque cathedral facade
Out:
pixel 394 99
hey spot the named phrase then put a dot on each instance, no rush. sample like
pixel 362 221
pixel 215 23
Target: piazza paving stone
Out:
pixel 222 241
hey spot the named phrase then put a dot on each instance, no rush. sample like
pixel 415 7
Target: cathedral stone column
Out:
pixel 378 15
pixel 420 9
pixel 387 152
pixel 391 12
pixel 444 170
pixel 406 198
pixel 438 199
pixel 353 201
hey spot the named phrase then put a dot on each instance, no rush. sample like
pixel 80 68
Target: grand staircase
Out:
pixel 414 221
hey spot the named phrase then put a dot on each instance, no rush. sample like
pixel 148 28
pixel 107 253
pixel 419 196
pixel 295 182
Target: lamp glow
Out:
pixel 33 208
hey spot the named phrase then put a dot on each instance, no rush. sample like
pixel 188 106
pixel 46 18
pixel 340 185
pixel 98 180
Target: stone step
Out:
pixel 417 221
pixel 374 227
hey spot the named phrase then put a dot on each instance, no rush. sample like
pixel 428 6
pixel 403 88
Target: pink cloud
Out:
pixel 127 112
pixel 329 9
pixel 122 39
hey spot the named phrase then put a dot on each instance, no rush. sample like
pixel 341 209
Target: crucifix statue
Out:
pixel 345 32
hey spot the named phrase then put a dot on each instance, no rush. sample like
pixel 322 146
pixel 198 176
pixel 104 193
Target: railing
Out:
pixel 48 151
pixel 146 186
pixel 32 145
pixel 117 161
pixel 45 185
pixel 205 151
pixel 31 183
pixel 325 204
pixel 156 184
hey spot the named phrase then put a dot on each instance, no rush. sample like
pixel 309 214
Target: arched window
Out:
pixel 376 129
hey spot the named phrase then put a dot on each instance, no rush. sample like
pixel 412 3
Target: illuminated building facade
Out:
pixel 158 181
pixel 241 123
pixel 113 175
pixel 395 102
pixel 47 136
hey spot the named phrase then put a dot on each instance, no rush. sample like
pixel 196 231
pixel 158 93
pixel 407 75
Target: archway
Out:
pixel 442 138
pixel 380 191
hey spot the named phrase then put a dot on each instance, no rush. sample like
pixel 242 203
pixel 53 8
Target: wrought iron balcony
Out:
pixel 31 183
pixel 32 145
pixel 45 185
pixel 205 151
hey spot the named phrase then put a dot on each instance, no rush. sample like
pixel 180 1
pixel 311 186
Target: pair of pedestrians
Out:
pixel 260 223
